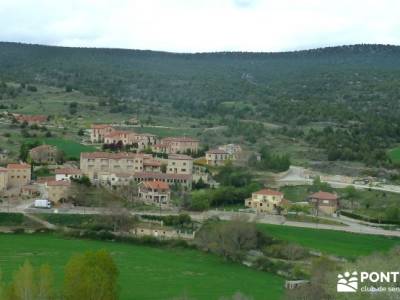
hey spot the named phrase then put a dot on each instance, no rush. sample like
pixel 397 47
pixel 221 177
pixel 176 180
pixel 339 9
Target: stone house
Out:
pixel 324 202
pixel 45 154
pixel 183 180
pixel 176 145
pixel 138 140
pixel 179 164
pixel 94 163
pixel 152 165
pixel 154 192
pixel 98 131
pixel 217 157
pixel 115 179
pixel 3 179
pixel 57 190
pixel 67 174
pixel 233 150
pixel 19 175
pixel 267 201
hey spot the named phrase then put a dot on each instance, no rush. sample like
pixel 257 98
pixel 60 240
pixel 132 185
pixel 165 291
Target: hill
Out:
pixel 351 90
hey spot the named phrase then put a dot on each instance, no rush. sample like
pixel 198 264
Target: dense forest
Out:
pixel 353 90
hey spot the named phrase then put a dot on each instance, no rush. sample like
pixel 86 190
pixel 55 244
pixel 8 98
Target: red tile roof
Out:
pixel 268 192
pixel 161 176
pixel 18 166
pixel 178 139
pixel 156 185
pixel 119 133
pixel 3 170
pixel 111 155
pixel 68 171
pixel 179 157
pixel 152 162
pixel 31 118
pixel 324 196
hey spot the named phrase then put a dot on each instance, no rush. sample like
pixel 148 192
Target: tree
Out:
pixel 229 239
pixel 81 132
pixel 73 108
pixel 2 289
pixel 392 213
pixel 91 276
pixel 318 185
pixel 45 283
pixel 350 194
pixel 23 286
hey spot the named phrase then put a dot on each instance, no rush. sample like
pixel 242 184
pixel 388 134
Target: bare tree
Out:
pixel 229 239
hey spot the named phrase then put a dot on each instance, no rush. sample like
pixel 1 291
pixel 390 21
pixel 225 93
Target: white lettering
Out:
pixel 394 274
pixel 374 276
pixel 385 277
pixel 364 275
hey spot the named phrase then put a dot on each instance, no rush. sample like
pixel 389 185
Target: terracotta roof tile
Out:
pixel 68 171
pixel 324 196
pixel 19 166
pixel 156 185
pixel 160 176
pixel 268 192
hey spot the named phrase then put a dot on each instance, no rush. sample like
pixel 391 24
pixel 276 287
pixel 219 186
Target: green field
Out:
pixel 394 154
pixel 332 242
pixel 71 149
pixel 146 272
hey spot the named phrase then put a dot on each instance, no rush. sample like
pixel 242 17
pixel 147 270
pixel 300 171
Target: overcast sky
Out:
pixel 201 25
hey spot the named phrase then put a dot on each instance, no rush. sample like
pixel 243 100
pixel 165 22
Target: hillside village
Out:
pixel 153 166
pixel 218 177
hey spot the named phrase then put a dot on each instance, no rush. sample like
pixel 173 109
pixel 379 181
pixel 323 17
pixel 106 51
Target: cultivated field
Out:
pixel 146 272
pixel 349 245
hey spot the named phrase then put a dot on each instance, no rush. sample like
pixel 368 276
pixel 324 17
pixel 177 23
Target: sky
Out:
pixel 201 25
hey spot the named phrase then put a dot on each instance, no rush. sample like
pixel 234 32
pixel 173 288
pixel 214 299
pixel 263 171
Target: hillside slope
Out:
pixel 354 88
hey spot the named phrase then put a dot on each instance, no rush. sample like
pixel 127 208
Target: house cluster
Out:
pixel 14 177
pixel 222 154
pixel 31 119
pixel 273 202
pixel 16 180
pixel 155 176
pixel 107 134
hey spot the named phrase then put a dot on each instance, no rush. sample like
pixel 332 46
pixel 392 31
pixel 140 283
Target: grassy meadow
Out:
pixel 71 149
pixel 331 242
pixel 394 154
pixel 145 272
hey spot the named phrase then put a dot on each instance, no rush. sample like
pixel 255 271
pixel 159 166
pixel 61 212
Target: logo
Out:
pixel 347 282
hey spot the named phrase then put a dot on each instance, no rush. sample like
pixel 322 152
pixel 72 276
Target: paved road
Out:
pixel 352 225
pixel 298 176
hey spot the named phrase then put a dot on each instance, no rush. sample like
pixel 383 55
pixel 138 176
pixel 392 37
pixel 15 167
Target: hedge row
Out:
pixel 368 219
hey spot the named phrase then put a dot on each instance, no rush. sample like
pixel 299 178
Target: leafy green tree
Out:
pixel 392 213
pixel 81 132
pixel 91 276
pixel 23 286
pixel 45 283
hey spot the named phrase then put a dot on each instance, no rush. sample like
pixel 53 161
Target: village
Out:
pixel 150 166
